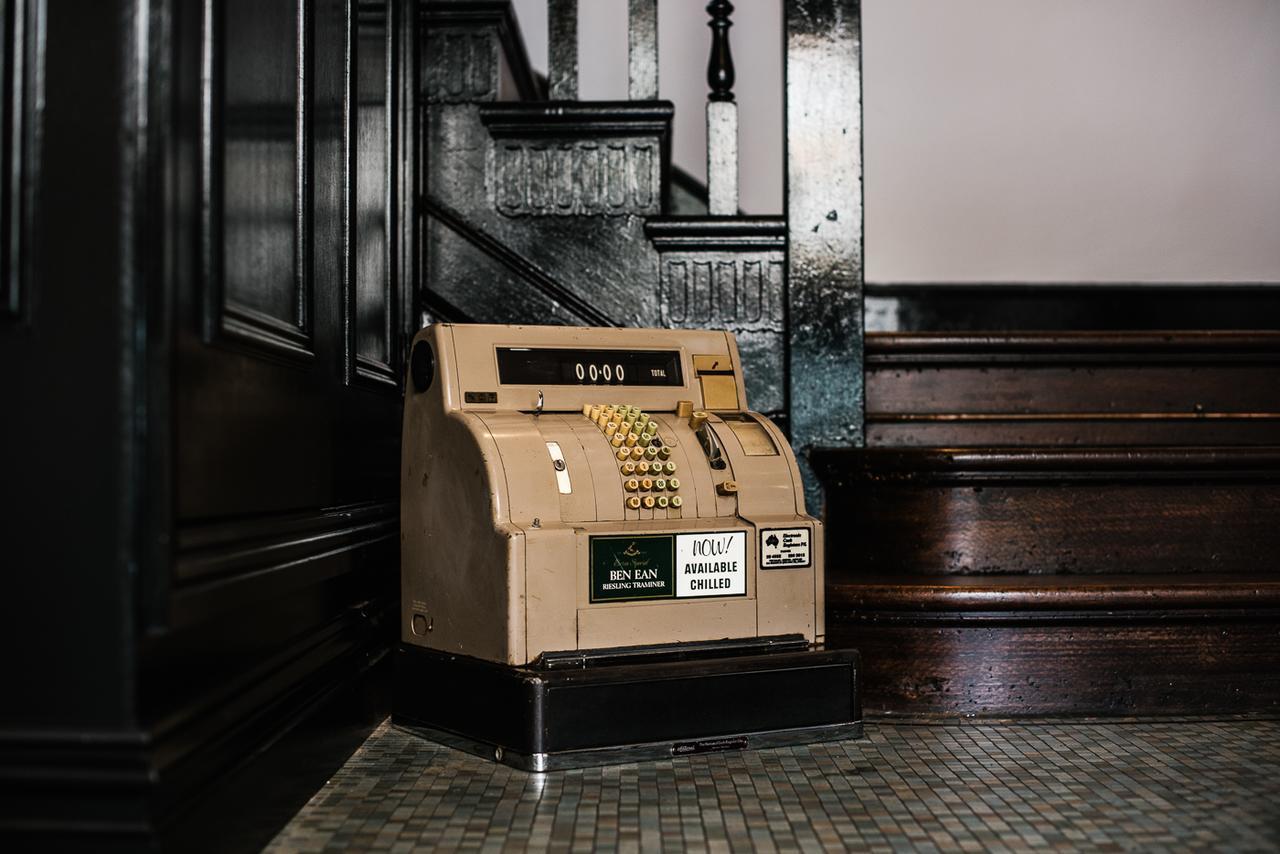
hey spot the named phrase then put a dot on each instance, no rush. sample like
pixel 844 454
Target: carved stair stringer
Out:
pixel 728 273
pixel 685 194
pixel 723 272
pixel 564 187
pixel 1051 580
pixel 494 284
pixel 473 51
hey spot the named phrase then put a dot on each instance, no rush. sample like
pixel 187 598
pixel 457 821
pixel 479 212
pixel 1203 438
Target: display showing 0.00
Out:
pixel 592 373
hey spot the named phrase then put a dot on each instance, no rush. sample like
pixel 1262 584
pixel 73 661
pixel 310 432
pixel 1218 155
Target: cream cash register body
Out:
pixel 605 554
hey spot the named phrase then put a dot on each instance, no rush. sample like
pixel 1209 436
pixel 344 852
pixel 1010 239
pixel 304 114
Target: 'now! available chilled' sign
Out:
pixel 668 566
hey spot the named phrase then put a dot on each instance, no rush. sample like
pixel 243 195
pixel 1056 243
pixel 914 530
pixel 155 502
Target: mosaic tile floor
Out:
pixel 1130 785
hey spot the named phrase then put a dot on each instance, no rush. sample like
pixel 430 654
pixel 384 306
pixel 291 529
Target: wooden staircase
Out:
pixel 562 211
pixel 1023 538
pixel 1076 515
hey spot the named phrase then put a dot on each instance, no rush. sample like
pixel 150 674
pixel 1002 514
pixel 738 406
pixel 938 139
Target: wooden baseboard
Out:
pixel 133 789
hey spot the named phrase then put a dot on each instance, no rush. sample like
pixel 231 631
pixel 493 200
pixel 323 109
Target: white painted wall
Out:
pixel 1015 140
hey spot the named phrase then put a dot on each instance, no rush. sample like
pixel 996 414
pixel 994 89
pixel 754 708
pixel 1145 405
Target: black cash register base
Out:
pixel 605 553
pixel 609 706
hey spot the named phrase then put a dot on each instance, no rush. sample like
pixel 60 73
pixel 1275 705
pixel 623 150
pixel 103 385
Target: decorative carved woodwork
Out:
pixel 729 273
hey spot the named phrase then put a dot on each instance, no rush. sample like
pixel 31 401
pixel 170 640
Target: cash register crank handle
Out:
pixel 707 439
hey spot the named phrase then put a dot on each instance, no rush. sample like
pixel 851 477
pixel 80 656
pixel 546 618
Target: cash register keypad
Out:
pixel 644 458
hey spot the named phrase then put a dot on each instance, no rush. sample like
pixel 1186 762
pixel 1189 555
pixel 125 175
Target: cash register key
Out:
pixel 622 454
pixel 665 452
pixel 698 418
pixel 595 412
pixel 684 408
pixel 631 485
pixel 651 453
pixel 633 502
pixel 628 468
pixel 586 410
pixel 670 468
pixel 610 429
pixel 616 441
pixel 648 502
pixel 677 502
pixel 625 426
pixel 631 441
pixel 646 484
pixel 642 467
pixel 660 484
pixel 637 453
pixel 663 501
pixel 673 483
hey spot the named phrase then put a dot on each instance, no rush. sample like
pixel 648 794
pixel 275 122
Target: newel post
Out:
pixel 824 229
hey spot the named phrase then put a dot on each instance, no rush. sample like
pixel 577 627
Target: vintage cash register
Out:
pixel 605 553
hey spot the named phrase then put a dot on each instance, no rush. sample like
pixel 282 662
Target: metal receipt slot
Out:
pixel 605 555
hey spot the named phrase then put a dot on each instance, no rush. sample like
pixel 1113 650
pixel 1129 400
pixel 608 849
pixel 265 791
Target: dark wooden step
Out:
pixel 958 307
pixel 1141 595
pixel 1073 388
pixel 1077 511
pixel 1032 581
pixel 1053 645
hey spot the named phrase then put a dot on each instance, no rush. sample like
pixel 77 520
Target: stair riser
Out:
pixel 1080 527
pixel 930 431
pixel 1072 388
pixel 1228 664
pixel 1079 389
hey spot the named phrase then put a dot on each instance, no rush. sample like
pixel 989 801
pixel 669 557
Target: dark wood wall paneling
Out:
pixel 21 88
pixel 209 378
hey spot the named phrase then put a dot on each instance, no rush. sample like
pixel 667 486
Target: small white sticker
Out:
pixel 784 548
pixel 713 564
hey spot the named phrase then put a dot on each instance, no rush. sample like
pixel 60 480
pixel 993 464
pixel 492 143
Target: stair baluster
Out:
pixel 642 50
pixel 722 116
pixel 562 50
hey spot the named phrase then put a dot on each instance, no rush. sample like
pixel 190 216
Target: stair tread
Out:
pixel 1055 592
pixel 559 118
pixel 1171 341
pixel 1258 460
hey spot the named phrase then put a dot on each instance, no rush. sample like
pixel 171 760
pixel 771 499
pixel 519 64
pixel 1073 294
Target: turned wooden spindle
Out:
pixel 720 64
pixel 722 116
